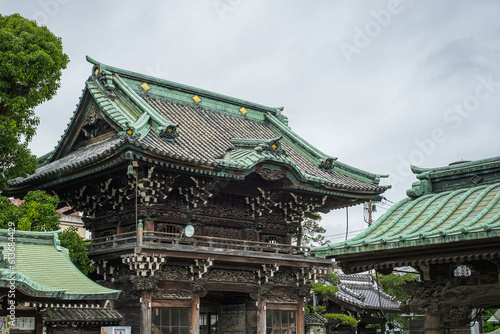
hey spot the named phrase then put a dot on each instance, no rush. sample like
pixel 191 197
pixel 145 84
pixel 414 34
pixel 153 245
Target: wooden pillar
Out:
pixel 146 312
pixel 194 326
pixel 38 323
pixel 257 238
pixel 149 225
pixel 433 324
pixel 261 315
pixel 300 315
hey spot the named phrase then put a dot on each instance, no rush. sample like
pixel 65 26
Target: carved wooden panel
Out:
pixel 222 232
pixel 234 276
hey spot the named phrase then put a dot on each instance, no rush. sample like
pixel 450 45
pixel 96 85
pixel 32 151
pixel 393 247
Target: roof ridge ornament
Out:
pixel 327 162
pixel 272 145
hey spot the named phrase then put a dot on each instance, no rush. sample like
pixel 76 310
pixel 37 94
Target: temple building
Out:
pixel 448 229
pixel 194 200
pixel 43 292
pixel 361 296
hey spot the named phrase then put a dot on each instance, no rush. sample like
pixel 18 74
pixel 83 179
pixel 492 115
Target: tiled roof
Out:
pixel 313 319
pixel 58 315
pixel 81 157
pixel 457 204
pixel 43 269
pixel 168 121
pixel 363 291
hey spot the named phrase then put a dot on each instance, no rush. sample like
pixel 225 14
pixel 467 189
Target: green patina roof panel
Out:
pixel 43 269
pixel 460 210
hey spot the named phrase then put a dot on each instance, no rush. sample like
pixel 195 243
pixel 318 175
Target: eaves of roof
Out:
pixel 433 219
pixel 73 315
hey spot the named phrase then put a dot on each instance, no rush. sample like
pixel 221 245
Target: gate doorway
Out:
pixel 226 312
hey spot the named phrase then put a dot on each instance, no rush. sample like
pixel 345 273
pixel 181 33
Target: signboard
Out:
pixel 25 323
pixel 4 325
pixel 116 330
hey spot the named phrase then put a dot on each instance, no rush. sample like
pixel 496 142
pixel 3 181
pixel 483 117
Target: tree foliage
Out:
pixel 394 284
pixel 310 232
pixel 32 61
pixel 78 254
pixel 344 319
pixel 326 289
pixel 36 213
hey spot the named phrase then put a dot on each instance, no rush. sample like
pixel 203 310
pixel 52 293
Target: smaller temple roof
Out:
pixel 314 319
pixel 80 316
pixel 42 268
pixel 363 292
pixel 456 203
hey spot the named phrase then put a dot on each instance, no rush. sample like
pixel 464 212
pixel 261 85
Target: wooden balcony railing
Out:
pixel 176 241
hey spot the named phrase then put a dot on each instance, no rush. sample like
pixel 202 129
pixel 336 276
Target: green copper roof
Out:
pixel 42 268
pixel 457 203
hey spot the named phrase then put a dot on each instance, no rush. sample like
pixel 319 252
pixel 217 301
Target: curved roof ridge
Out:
pixel 186 88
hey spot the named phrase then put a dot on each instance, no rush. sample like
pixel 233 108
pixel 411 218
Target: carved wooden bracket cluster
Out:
pixel 307 275
pixel 153 185
pixel 200 267
pixel 263 204
pixel 105 269
pixel 92 198
pixel 143 265
pixel 199 193
pixel 266 273
pixel 296 208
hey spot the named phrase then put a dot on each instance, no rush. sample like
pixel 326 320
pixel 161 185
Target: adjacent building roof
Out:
pixel 364 292
pixel 42 268
pixel 189 129
pixel 455 204
pixel 314 319
pixel 80 316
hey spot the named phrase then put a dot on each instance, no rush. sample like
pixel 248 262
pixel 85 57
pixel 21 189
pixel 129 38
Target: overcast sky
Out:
pixel 378 84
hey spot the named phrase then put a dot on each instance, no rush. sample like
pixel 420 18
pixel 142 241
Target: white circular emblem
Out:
pixel 189 231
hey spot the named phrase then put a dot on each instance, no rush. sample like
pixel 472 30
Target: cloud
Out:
pixel 371 113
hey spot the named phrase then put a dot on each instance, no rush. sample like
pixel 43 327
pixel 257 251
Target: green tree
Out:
pixel 394 285
pixel 78 254
pixel 36 213
pixel 329 289
pixel 310 232
pixel 32 61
